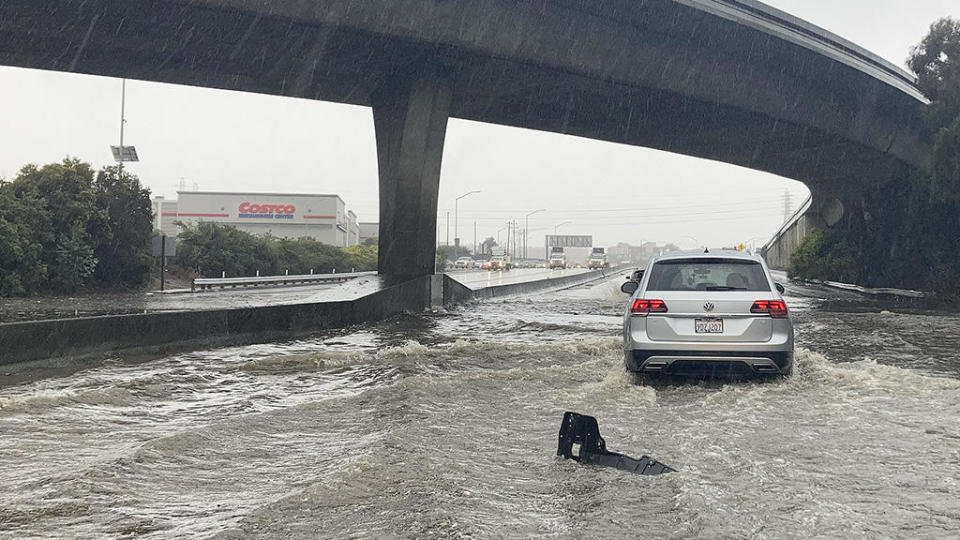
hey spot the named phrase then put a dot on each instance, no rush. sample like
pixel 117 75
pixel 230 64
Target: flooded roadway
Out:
pixel 445 425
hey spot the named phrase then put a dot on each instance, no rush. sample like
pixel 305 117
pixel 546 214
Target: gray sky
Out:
pixel 224 140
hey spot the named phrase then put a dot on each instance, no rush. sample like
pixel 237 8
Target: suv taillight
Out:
pixel 642 307
pixel 775 308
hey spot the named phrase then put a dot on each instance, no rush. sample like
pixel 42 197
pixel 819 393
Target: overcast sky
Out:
pixel 231 141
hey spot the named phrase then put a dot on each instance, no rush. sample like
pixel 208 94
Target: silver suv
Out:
pixel 710 314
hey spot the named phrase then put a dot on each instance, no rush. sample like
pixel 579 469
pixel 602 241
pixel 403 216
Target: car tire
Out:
pixel 790 370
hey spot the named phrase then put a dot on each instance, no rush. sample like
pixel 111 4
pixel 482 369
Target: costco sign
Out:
pixel 266 211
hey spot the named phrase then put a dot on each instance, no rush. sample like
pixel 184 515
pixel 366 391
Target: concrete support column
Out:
pixel 410 119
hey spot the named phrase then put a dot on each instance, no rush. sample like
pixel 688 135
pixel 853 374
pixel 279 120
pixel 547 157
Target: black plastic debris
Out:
pixel 584 430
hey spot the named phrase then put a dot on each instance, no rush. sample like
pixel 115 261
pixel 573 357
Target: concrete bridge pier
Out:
pixel 410 119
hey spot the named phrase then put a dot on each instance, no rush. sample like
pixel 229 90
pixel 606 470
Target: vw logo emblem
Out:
pixel 708 306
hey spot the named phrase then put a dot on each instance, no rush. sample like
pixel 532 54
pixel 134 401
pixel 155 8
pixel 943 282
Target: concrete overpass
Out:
pixel 728 80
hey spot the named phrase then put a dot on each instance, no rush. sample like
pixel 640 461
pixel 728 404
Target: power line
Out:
pixel 761 210
pixel 737 203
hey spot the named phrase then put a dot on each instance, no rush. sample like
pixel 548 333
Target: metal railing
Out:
pixel 258 281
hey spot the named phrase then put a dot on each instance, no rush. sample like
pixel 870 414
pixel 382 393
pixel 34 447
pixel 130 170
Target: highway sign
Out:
pixel 166 245
pixel 569 240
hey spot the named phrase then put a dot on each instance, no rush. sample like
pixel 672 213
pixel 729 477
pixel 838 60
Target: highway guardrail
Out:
pixel 258 281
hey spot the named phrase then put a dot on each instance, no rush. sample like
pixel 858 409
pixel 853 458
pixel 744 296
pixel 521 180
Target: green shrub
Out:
pixel 822 257
pixel 211 250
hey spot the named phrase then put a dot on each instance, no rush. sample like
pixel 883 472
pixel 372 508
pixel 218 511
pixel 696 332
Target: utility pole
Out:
pixel 123 120
pixel 448 229
pixel 474 238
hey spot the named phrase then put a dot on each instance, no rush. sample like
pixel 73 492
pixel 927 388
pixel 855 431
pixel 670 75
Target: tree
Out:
pixel 63 227
pixel 22 269
pixel 488 244
pixel 74 262
pixel 124 246
pixel 67 203
pixel 936 61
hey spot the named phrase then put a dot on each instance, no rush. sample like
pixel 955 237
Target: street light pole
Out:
pixel 695 241
pixel 526 229
pixel 123 120
pixel 546 248
pixel 752 244
pixel 456 217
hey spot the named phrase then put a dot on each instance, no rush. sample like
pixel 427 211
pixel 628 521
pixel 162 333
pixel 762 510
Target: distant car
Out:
pixel 464 262
pixel 707 315
pixel 485 265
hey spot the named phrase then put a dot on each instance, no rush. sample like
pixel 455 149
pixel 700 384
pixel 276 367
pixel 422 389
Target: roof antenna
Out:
pixel 706 250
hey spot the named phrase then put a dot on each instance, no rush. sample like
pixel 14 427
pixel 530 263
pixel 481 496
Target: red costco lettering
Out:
pixel 247 208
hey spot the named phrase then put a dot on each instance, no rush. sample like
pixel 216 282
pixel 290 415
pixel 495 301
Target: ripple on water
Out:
pixel 445 426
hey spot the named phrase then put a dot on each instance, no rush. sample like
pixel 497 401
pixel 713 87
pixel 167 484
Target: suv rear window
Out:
pixel 706 274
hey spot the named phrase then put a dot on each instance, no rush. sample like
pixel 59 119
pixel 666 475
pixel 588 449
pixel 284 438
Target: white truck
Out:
pixel 558 259
pixel 500 261
pixel 598 260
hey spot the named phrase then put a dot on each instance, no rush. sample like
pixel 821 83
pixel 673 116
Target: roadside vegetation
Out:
pixel 66 227
pixel 211 250
pixel 906 234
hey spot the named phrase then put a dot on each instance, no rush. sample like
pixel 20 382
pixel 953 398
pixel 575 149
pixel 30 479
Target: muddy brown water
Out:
pixel 444 426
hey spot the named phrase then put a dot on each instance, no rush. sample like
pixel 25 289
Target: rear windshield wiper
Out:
pixel 725 288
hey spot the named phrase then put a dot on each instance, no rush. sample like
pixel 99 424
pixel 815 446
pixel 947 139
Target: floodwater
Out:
pixel 444 426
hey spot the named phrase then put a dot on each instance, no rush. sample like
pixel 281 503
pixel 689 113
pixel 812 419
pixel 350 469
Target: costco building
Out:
pixel 284 215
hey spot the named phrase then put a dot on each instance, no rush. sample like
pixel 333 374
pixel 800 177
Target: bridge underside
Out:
pixel 670 77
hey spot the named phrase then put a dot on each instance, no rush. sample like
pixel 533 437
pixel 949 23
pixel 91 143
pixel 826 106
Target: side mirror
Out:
pixel 780 288
pixel 630 287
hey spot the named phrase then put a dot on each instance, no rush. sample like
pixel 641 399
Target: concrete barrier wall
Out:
pixel 778 252
pixel 168 332
pixel 454 292
pixel 185 330
pixel 512 289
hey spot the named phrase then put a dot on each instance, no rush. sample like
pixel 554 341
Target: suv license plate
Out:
pixel 708 326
